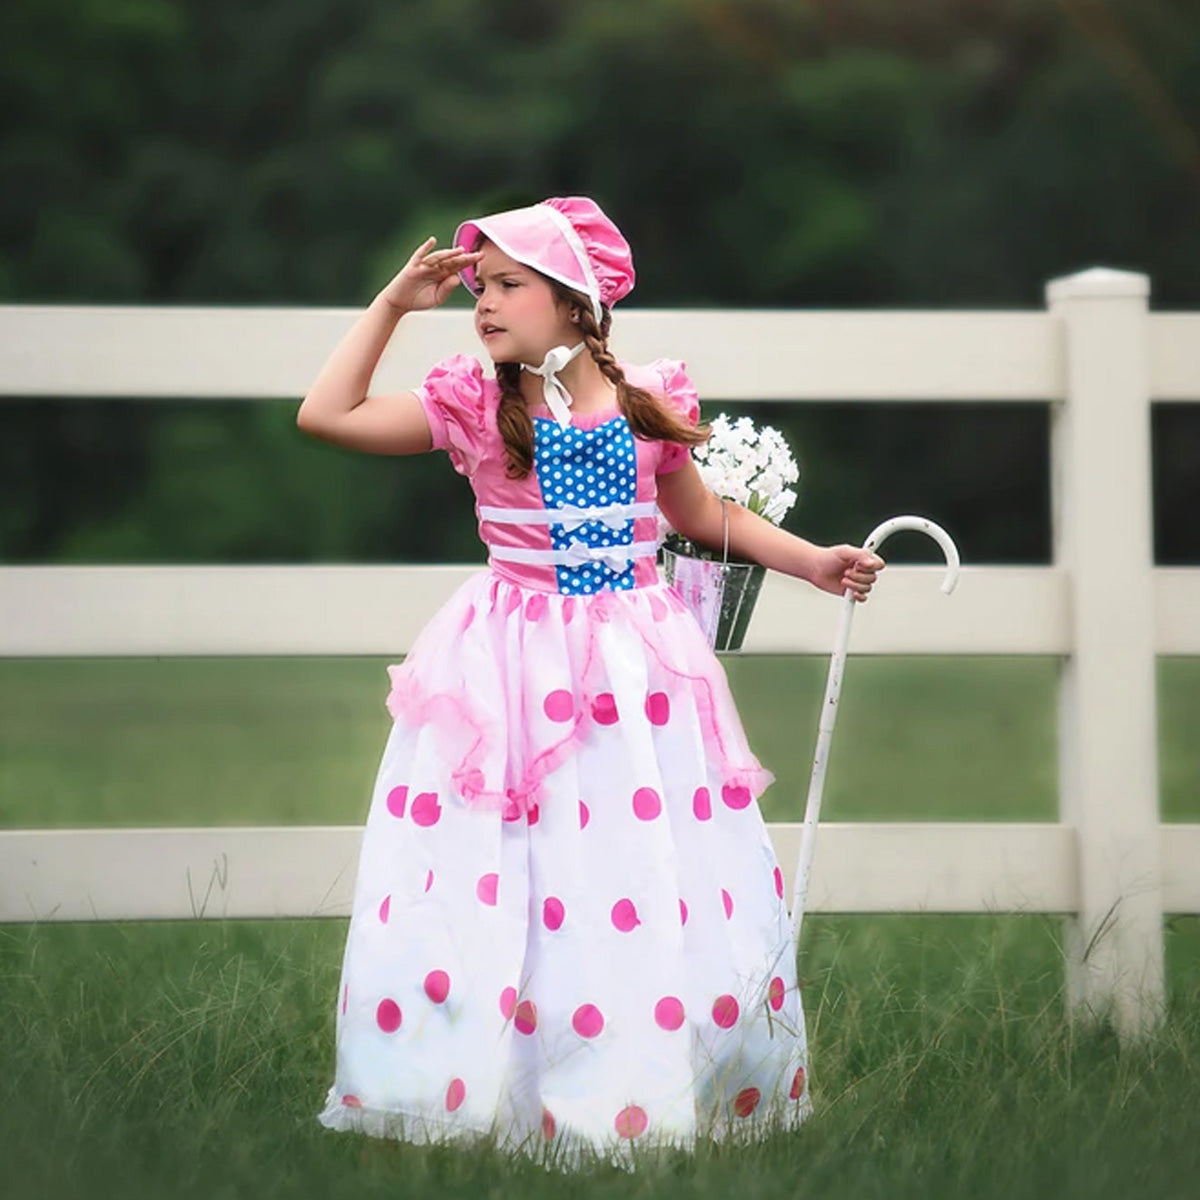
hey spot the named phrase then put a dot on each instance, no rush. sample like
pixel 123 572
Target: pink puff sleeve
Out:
pixel 454 397
pixel 680 394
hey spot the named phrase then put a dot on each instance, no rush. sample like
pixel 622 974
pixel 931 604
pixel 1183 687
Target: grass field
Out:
pixel 189 1059
pixel 296 741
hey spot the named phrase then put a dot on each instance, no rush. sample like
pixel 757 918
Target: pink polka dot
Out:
pixel 526 1018
pixel 658 708
pixel 535 609
pixel 658 610
pixel 437 986
pixel 683 912
pixel 624 916
pixel 487 887
pixel 387 1016
pixel 345 996
pixel 668 1013
pixel 426 810
pixel 534 814
pixel 674 600
pixel 727 901
pixel 746 1101
pixel 549 1125
pixel 456 1093
pixel 512 601
pixel 631 1122
pixel 351 1101
pixel 587 1021
pixel 559 706
pixel 553 913
pixel 725 1011
pixel 775 993
pixel 735 795
pixel 779 883
pixel 385 909
pixel 508 1002
pixel 397 798
pixel 429 880
pixel 604 709
pixel 797 1084
pixel 584 815
pixel 568 609
pixel 702 804
pixel 646 804
pixel 511 810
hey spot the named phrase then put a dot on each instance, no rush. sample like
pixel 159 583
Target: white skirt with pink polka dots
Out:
pixel 569 933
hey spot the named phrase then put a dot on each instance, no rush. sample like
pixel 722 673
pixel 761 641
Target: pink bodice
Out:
pixel 594 472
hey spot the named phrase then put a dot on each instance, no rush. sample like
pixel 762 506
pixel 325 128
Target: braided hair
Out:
pixel 648 416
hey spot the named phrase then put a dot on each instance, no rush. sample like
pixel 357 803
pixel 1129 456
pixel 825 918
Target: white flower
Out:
pixel 749 466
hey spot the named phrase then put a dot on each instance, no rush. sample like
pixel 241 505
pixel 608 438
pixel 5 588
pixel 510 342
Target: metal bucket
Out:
pixel 721 595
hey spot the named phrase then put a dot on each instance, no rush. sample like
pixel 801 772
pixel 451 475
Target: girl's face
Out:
pixel 517 315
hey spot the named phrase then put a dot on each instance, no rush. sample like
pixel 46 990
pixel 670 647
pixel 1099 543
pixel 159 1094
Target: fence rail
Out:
pixel 274 353
pixel 81 612
pixel 1097 357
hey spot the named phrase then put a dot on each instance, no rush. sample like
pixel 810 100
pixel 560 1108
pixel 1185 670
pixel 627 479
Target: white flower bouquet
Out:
pixel 754 468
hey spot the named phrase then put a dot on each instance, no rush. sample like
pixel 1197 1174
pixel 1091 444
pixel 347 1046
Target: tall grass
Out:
pixel 189 1060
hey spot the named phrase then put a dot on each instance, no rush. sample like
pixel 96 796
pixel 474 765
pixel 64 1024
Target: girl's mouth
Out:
pixel 487 331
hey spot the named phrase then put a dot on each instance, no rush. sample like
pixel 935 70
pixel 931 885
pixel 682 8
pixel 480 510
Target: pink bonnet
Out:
pixel 568 239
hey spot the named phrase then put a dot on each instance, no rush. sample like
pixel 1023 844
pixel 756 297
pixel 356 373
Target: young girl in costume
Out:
pixel 569 931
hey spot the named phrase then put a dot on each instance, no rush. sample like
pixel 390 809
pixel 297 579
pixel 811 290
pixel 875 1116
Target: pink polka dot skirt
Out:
pixel 569 933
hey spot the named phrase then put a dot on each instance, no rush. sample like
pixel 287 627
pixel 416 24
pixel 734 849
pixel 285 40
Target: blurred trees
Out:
pixel 800 153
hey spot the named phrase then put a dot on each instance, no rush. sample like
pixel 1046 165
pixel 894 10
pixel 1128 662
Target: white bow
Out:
pixel 577 554
pixel 573 517
pixel 558 399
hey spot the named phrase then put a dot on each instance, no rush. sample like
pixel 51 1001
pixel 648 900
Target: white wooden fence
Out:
pixel 1096 356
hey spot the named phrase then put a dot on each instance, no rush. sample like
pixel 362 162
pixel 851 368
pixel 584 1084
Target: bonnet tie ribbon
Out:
pixel 558 399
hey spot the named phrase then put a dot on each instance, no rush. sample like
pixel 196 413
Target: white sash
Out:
pixel 613 516
pixel 617 558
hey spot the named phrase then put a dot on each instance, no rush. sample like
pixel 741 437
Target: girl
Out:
pixel 569 931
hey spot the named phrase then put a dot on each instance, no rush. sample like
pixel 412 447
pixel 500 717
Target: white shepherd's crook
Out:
pixel 833 689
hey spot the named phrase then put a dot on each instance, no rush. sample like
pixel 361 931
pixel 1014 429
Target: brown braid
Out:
pixel 648 415
pixel 513 421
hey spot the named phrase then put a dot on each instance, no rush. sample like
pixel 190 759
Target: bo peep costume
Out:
pixel 569 933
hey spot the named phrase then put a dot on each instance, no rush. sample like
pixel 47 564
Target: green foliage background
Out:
pixel 766 153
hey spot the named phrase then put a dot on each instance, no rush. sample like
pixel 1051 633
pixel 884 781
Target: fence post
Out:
pixel 1108 752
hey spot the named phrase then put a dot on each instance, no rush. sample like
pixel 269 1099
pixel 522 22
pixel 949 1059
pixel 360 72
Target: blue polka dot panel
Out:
pixel 587 468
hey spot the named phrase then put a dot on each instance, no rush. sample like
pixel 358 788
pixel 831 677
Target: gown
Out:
pixel 568 933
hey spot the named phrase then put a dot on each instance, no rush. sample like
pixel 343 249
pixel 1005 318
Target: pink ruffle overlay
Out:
pixel 507 683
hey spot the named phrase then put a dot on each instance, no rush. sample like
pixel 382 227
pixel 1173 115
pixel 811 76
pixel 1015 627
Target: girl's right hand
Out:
pixel 428 277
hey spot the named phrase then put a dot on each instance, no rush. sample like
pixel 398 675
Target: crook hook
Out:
pixel 922 525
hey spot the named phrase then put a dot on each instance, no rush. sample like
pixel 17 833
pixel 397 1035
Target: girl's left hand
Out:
pixel 846 568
